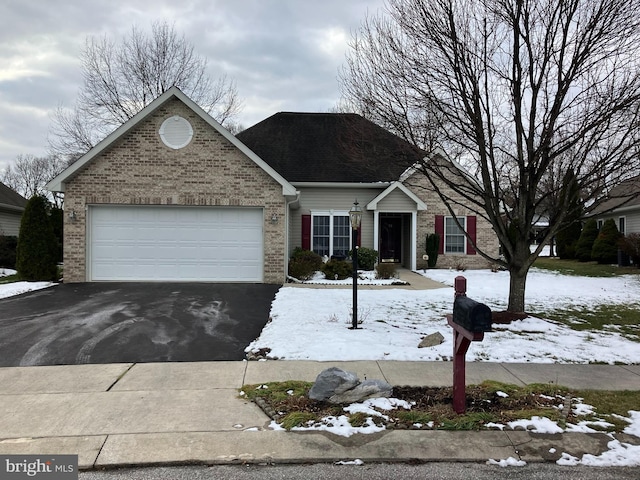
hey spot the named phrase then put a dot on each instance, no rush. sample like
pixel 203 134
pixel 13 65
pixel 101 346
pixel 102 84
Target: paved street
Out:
pixel 369 471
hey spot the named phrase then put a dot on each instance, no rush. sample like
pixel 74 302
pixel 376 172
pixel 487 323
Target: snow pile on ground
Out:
pixel 507 462
pixel 364 278
pixel 17 288
pixel 312 324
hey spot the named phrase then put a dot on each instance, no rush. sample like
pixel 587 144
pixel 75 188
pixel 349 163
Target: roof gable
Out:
pixel 330 147
pixel 58 183
pixel 373 204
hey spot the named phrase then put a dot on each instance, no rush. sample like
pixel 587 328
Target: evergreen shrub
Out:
pixel 605 246
pixel 585 242
pixel 432 247
pixel 8 245
pixel 37 244
pixel 367 258
pixel 304 263
pixel 336 269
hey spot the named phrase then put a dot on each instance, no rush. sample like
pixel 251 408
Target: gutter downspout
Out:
pixel 293 203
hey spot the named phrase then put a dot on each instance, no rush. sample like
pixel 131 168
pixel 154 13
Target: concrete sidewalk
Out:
pixel 168 413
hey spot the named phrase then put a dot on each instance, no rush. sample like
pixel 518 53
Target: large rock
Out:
pixel 431 340
pixel 332 381
pixel 337 386
pixel 367 389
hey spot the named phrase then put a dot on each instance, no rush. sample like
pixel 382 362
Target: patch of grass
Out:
pixel 609 403
pixel 411 417
pixel 620 318
pixel 276 392
pixel 468 421
pixel 583 269
pixel 358 419
pixel 296 419
pixel 9 279
pixel 488 402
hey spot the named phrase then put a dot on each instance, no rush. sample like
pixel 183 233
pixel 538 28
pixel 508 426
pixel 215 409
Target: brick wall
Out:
pixel 140 170
pixel 486 238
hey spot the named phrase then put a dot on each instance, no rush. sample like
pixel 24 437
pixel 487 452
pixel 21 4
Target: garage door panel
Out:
pixel 176 243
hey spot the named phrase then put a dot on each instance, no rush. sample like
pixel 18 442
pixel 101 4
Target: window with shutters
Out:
pixel 331 234
pixel 454 239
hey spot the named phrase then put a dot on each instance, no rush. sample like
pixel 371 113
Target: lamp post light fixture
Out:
pixel 355 215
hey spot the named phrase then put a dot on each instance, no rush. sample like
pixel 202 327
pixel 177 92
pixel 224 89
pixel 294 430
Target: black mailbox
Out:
pixel 471 315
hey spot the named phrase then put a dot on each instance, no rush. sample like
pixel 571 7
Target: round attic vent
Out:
pixel 176 132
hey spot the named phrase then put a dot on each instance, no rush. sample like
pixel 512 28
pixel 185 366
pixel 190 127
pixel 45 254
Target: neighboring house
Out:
pixel 623 206
pixel 173 196
pixel 11 208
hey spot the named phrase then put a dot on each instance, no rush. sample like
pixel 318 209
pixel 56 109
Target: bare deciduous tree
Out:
pixel 29 174
pixel 121 78
pixel 513 90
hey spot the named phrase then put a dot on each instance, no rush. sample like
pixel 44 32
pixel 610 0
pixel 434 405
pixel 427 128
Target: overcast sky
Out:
pixel 283 54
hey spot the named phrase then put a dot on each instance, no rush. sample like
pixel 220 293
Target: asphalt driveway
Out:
pixel 132 322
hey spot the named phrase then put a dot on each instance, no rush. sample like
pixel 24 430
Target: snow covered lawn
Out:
pixel 16 288
pixel 311 324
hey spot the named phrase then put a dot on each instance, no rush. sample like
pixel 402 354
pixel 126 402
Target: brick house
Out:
pixel 173 196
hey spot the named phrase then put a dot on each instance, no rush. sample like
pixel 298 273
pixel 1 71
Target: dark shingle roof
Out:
pixel 329 147
pixel 625 194
pixel 10 198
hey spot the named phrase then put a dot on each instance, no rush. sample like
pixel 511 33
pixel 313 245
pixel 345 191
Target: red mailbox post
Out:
pixel 462 338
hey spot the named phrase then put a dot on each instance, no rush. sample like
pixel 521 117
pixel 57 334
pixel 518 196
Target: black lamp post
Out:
pixel 355 215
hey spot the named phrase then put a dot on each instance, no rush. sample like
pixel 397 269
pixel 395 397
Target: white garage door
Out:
pixel 176 244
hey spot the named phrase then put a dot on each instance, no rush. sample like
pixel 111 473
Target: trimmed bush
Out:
pixel 630 245
pixel 367 258
pixel 304 263
pixel 386 271
pixel 37 244
pixel 337 269
pixel 585 242
pixel 605 246
pixel 432 247
pixel 8 247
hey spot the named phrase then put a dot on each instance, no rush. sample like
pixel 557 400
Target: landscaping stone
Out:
pixel 367 389
pixel 431 340
pixel 338 386
pixel 332 381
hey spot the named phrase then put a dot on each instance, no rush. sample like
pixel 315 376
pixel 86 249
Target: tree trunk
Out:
pixel 517 282
pixel 519 266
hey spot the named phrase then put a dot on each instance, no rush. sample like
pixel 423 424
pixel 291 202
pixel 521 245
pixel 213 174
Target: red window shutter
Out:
pixel 471 230
pixel 306 232
pixel 440 231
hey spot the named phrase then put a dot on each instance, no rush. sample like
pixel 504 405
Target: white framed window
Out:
pixel 622 225
pixel 331 233
pixel 600 223
pixel 454 239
